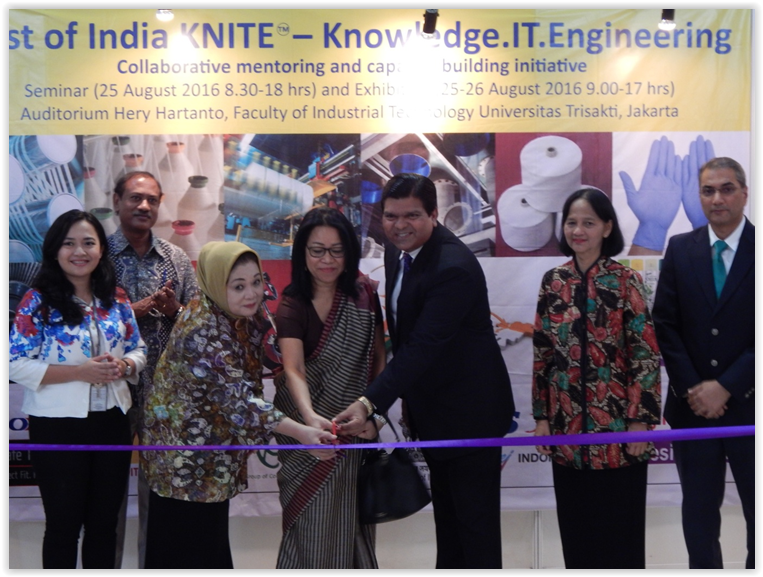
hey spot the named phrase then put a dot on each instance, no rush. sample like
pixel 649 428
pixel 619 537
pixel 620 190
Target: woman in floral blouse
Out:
pixel 74 345
pixel 207 390
pixel 596 369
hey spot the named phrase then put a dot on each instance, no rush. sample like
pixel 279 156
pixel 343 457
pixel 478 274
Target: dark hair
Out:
pixel 409 184
pixel 56 289
pixel 119 187
pixel 301 280
pixel 246 257
pixel 725 162
pixel 602 206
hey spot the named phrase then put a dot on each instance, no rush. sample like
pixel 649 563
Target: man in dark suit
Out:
pixel 706 331
pixel 447 368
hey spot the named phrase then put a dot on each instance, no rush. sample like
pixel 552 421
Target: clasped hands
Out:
pixel 102 369
pixel 708 399
pixel 542 429
pixel 161 302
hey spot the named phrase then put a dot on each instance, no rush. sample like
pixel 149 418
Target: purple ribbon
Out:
pixel 581 439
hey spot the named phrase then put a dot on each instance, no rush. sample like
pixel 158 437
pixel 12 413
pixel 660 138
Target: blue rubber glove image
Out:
pixel 656 202
pixel 700 151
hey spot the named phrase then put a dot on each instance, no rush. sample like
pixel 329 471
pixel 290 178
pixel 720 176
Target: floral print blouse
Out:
pixel 207 390
pixel 596 363
pixel 37 343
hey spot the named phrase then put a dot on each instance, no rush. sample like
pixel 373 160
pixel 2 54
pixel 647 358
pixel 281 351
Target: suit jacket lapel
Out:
pixel 391 267
pixel 743 261
pixel 700 256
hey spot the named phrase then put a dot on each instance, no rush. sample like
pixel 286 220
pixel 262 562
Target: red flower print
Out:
pixel 597 356
pixel 599 333
pixel 617 389
pixel 649 337
pixel 601 391
pixel 566 294
pixel 615 321
pixel 25 325
pixel 567 452
pixel 634 393
pixel 613 455
pixel 564 400
pixel 601 417
pixel 636 300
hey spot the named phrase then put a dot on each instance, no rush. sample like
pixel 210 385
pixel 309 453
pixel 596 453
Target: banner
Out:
pixel 249 118
pixel 348 71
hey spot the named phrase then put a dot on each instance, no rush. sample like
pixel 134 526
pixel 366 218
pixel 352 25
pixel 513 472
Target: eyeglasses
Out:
pixel 725 190
pixel 319 251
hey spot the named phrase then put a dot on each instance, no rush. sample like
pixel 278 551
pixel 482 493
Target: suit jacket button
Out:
pixel 714 332
pixel 713 363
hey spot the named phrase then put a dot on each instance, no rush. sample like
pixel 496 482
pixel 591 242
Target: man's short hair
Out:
pixel 119 187
pixel 725 162
pixel 410 184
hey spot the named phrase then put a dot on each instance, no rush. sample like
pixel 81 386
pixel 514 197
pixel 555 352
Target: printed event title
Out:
pixel 268 35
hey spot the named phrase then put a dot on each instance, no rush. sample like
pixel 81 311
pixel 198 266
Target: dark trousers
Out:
pixel 702 471
pixel 602 516
pixel 187 535
pixel 466 498
pixel 81 488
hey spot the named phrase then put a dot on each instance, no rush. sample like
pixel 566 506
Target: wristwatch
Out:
pixel 178 312
pixel 128 369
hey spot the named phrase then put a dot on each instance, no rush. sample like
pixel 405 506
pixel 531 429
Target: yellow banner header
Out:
pixel 356 71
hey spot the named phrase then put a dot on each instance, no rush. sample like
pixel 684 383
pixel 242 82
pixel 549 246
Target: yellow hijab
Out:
pixel 214 266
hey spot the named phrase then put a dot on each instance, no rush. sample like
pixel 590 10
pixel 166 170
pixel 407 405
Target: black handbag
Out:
pixel 389 485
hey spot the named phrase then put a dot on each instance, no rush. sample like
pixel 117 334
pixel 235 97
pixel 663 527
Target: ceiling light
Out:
pixel 430 23
pixel 165 15
pixel 668 20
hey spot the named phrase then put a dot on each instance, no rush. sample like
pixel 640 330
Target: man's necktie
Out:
pixel 719 268
pixel 407 260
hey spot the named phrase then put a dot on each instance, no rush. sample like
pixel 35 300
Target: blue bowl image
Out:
pixel 409 163
pixel 370 192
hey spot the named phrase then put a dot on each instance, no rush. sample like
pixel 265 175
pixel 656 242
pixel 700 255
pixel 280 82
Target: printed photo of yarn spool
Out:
pixel 43 213
pixel 452 212
pixel 551 169
pixel 16 181
pixel 523 227
pixel 19 251
pixel 41 152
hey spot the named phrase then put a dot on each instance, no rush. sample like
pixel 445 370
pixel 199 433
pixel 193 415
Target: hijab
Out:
pixel 216 260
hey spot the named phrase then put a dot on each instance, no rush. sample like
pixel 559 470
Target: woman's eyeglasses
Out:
pixel 319 251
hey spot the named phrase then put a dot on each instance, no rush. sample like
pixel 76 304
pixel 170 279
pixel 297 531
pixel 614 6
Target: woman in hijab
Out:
pixel 207 390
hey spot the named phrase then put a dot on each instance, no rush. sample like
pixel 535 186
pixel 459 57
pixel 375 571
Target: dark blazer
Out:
pixel 703 337
pixel 447 365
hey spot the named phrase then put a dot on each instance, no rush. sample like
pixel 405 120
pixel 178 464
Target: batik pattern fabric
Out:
pixel 207 390
pixel 141 277
pixel 596 362
pixel 321 528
